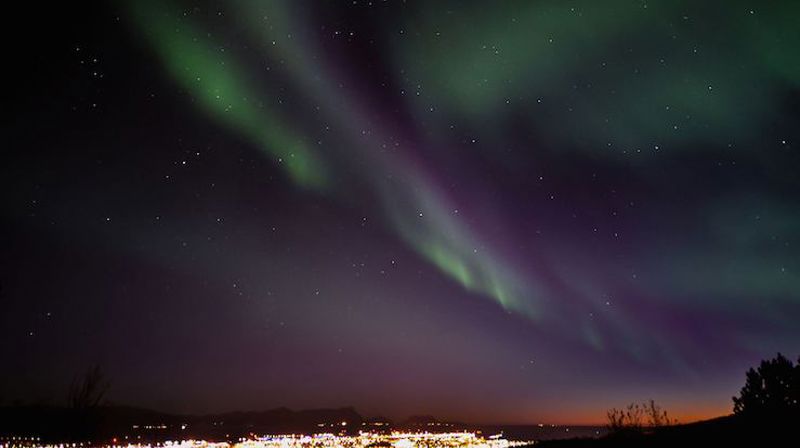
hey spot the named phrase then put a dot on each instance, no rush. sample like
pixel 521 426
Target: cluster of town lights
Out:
pixel 362 440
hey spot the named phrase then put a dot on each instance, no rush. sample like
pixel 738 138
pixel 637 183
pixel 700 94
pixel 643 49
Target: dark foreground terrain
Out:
pixel 120 424
pixel 732 430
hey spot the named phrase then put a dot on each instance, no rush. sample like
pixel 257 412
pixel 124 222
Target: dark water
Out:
pixel 547 432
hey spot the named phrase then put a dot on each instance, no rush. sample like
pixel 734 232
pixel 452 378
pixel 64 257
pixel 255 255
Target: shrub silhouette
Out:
pixel 772 391
pixel 636 417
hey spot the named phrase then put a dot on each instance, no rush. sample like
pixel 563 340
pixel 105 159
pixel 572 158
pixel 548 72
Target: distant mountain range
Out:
pixel 130 424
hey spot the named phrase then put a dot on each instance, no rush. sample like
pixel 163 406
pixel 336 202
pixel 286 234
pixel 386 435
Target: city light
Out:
pixel 362 440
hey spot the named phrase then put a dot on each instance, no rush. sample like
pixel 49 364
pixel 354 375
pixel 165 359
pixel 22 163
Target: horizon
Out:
pixel 401 421
pixel 519 212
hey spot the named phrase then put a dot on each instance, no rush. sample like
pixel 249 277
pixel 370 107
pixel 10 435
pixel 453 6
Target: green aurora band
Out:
pixel 224 92
pixel 718 96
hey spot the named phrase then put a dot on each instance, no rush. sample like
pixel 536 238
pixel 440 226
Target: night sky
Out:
pixel 488 211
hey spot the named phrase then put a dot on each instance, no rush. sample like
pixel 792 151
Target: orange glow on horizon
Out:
pixel 687 414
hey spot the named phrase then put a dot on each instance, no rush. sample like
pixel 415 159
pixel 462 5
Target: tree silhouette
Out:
pixel 772 391
pixel 88 392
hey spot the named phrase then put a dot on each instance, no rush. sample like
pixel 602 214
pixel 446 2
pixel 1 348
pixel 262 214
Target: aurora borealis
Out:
pixel 488 211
